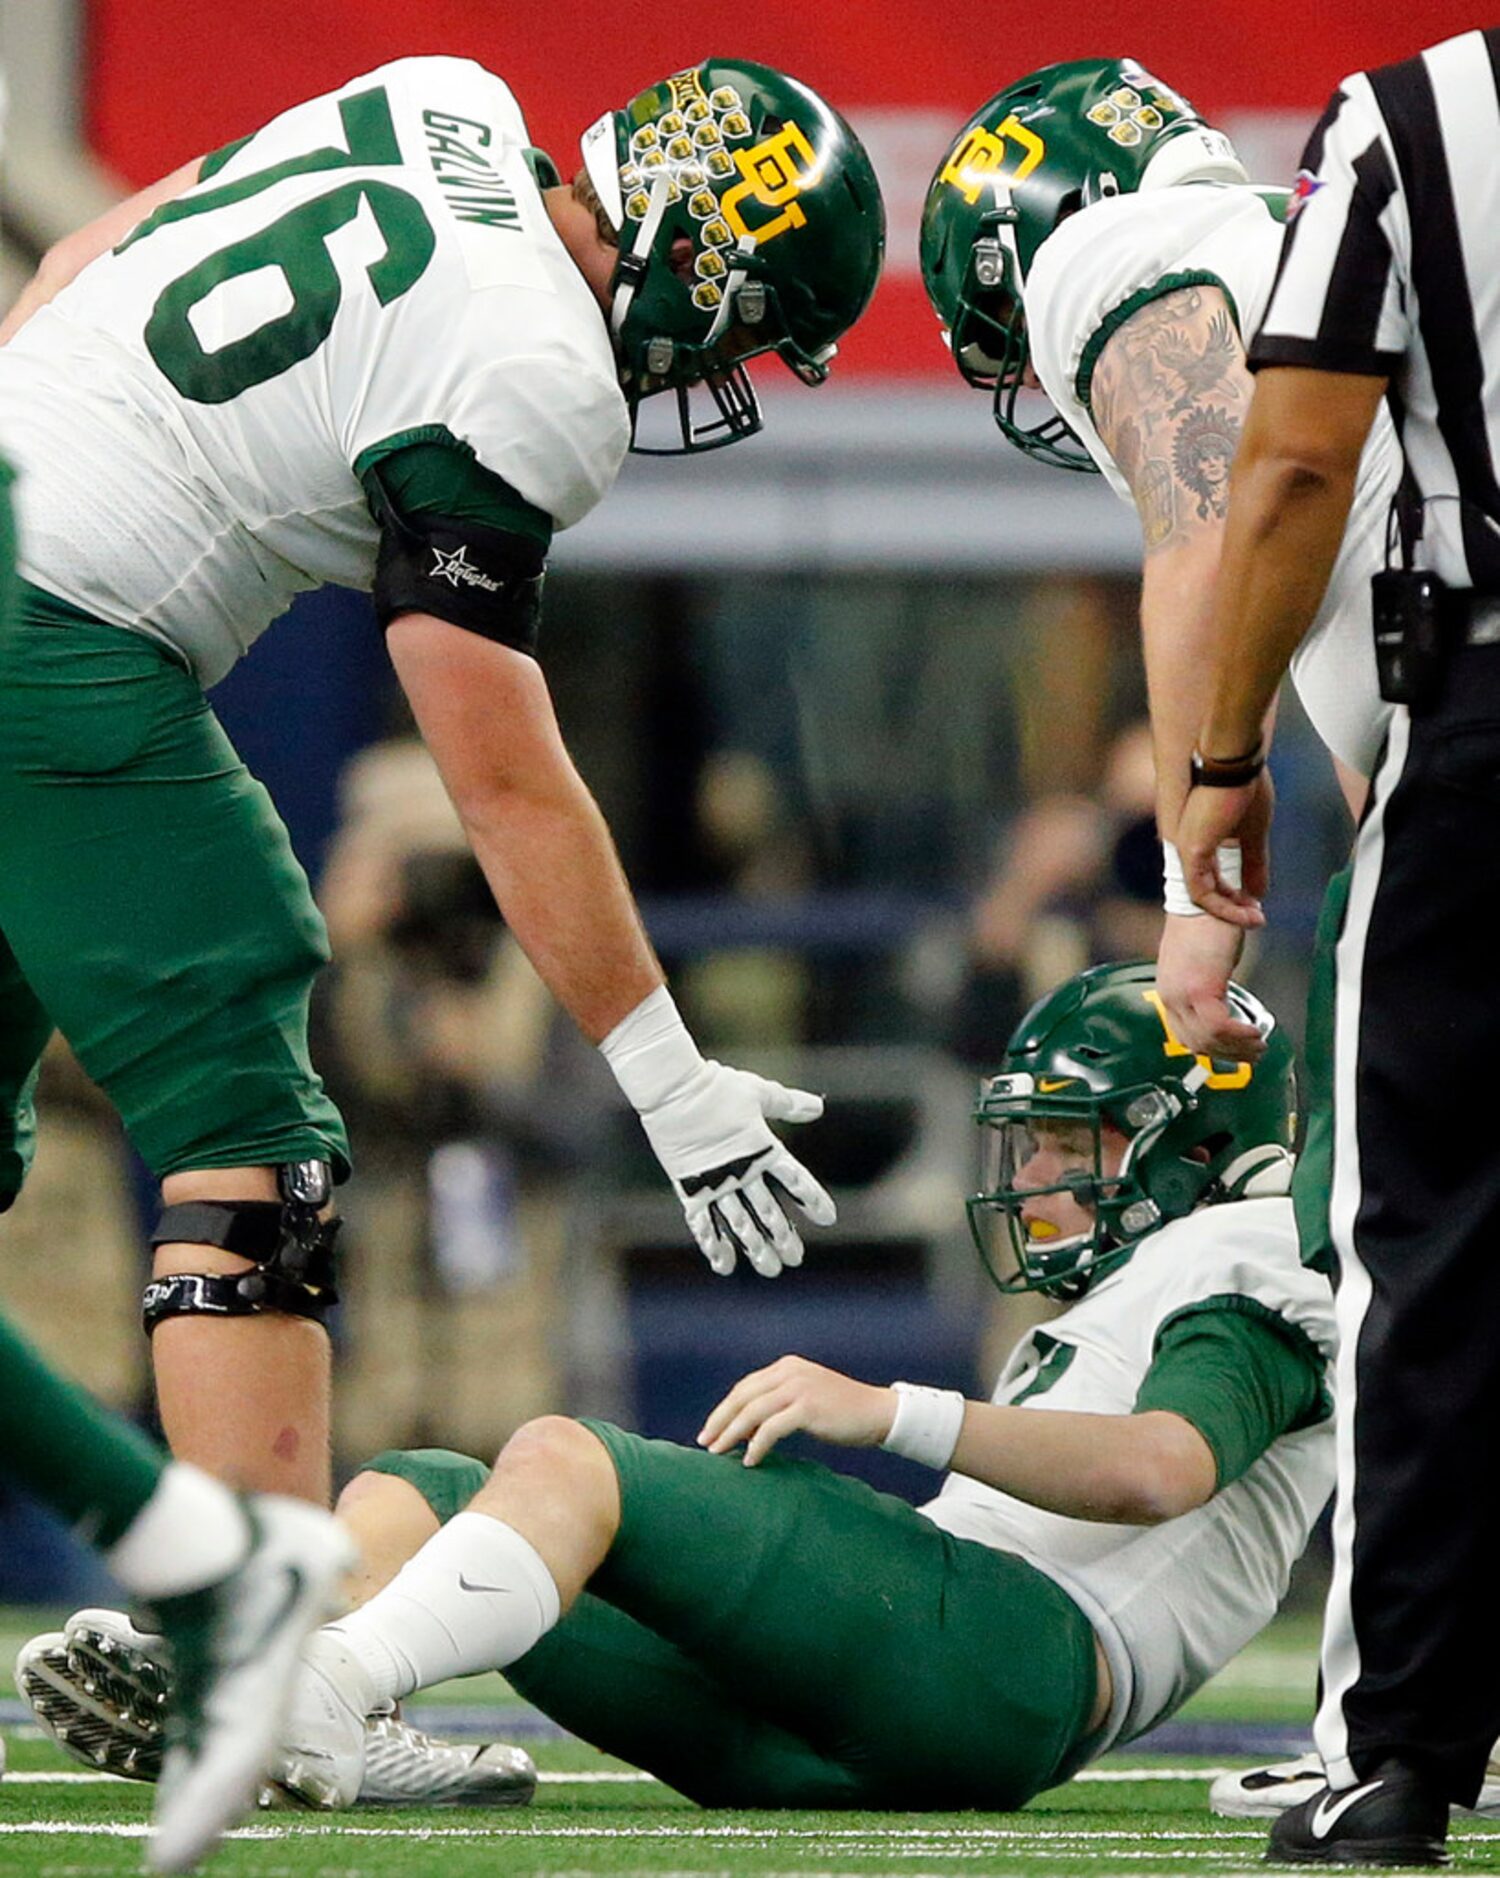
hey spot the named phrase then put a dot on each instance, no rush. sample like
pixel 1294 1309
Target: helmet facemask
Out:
pixel 993 353
pixel 1030 1255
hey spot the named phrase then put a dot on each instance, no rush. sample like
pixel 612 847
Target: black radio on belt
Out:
pixel 1413 618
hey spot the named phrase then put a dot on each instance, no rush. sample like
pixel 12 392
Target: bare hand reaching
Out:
pixel 1194 964
pixel 792 1394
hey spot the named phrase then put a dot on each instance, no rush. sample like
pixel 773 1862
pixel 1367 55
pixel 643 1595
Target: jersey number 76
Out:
pixel 297 244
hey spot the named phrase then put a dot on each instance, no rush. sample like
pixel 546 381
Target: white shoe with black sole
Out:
pixel 1265 1792
pixel 98 1689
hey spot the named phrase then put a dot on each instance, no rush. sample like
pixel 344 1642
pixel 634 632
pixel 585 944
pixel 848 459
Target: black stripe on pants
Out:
pixel 1412 1648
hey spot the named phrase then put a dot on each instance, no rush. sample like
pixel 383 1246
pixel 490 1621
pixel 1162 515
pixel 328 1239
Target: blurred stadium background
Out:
pixel 859 699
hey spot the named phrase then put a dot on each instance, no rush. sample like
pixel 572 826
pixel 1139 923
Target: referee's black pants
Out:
pixel 1411 1650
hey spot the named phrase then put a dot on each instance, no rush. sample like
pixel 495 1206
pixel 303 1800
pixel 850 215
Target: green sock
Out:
pixel 58 1443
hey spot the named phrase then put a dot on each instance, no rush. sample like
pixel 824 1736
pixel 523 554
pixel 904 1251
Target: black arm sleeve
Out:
pixel 486 580
pixel 457 542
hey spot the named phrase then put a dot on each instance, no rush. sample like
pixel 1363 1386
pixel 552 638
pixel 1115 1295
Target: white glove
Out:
pixel 706 1123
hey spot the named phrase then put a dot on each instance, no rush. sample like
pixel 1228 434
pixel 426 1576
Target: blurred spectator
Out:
pixel 469 1095
pixel 748 997
pixel 71 1242
pixel 1077 882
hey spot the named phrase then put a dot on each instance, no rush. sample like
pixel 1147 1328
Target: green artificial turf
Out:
pixel 1154 1820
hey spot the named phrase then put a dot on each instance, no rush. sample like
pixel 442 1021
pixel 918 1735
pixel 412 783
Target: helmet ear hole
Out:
pixel 1071 203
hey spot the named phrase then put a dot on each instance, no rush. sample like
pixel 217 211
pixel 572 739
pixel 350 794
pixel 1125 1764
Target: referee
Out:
pixel 1390 287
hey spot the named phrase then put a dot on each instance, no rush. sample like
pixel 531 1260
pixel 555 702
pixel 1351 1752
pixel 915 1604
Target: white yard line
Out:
pixel 1114 1775
pixel 930 1838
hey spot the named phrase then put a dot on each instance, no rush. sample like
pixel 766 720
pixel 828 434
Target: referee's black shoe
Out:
pixel 1393 1818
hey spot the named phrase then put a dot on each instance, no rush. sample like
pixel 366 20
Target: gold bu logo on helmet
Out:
pixel 980 157
pixel 774 173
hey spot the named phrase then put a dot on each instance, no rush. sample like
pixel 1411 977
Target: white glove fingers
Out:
pixel 781 1104
pixel 719 1252
pixel 770 1202
pixel 749 1233
pixel 814 1200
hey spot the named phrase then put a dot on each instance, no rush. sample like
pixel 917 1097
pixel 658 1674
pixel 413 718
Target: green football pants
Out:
pixel 784 1636
pixel 151 908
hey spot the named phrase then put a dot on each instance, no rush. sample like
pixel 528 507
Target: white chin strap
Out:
pixel 645 234
pixel 1263 1173
pixel 602 165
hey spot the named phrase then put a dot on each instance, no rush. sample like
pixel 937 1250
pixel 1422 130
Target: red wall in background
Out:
pixel 168 79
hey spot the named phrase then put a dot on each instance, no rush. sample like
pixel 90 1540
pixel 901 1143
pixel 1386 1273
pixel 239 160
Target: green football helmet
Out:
pixel 1198 1131
pixel 1053 142
pixel 749 220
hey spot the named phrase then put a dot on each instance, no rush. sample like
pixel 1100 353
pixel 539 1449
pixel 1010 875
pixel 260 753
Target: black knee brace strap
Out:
pixel 291 1248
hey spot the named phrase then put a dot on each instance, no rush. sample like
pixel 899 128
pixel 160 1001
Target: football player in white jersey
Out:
pixel 1088 240
pixel 376 342
pixel 1118 1520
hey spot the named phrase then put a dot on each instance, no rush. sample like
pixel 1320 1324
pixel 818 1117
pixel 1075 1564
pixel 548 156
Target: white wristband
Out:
pixel 927 1425
pixel 651 1051
pixel 1175 897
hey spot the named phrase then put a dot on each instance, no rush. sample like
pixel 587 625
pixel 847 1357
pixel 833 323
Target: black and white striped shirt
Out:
pixel 1391 266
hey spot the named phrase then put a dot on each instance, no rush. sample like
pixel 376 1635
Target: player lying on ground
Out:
pixel 765 1632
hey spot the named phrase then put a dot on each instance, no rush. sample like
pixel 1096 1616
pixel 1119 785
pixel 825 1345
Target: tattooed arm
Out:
pixel 1169 397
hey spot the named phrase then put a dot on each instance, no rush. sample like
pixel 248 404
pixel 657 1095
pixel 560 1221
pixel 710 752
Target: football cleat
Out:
pixel 98 1688
pixel 1393 1818
pixel 234 1648
pixel 1263 1792
pixel 320 1758
pixel 1266 1792
pixel 404 1767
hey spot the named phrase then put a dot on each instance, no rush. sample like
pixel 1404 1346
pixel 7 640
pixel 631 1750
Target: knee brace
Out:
pixel 291 1249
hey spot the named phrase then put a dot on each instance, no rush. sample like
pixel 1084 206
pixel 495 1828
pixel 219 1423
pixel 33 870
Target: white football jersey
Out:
pixel 1171 1604
pixel 1112 258
pixel 191 415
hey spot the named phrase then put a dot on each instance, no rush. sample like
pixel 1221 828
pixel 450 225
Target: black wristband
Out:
pixel 1225 772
